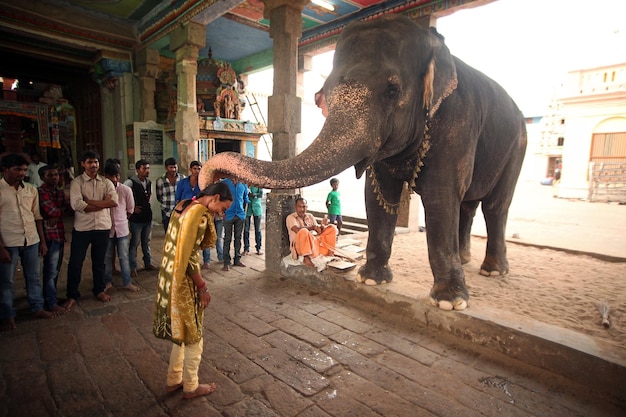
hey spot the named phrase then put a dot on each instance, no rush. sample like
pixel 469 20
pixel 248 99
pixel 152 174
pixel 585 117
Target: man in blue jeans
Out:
pixel 141 219
pixel 219 229
pixel 21 236
pixel 233 221
pixel 254 213
pixel 53 206
pixel 118 237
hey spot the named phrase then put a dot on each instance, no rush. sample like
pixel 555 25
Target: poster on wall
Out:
pixel 146 143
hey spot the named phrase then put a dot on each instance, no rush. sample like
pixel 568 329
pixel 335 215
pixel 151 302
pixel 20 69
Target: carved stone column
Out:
pixel 186 41
pixel 284 116
pixel 146 64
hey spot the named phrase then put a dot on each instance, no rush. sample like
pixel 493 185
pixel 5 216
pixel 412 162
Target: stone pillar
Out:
pixel 186 41
pixel 146 64
pixel 408 215
pixel 284 116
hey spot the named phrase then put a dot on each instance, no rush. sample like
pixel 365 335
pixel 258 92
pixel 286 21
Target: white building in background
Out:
pixel 586 124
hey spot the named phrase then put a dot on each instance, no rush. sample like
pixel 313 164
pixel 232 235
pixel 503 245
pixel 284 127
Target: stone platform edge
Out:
pixel 565 352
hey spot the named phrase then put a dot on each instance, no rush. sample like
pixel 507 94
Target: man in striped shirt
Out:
pixel 166 189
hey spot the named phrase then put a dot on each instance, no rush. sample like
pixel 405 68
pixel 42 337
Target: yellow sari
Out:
pixel 178 315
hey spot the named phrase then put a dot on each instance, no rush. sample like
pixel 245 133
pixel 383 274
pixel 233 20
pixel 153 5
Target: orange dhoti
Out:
pixel 308 244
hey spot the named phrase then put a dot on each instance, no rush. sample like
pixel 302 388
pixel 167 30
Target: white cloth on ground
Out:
pixel 320 262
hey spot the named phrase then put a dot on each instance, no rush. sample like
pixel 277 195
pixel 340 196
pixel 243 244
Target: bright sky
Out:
pixel 528 46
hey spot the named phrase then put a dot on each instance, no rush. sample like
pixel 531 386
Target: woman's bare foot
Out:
pixel 69 304
pixel 57 310
pixel 43 314
pixel 131 287
pixel 104 297
pixel 7 325
pixel 203 389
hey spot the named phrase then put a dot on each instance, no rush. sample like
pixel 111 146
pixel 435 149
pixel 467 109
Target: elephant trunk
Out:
pixel 338 146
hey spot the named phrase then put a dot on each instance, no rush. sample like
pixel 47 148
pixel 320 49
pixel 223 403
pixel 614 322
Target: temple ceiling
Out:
pixel 77 33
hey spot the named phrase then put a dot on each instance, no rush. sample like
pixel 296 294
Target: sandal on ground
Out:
pixel 203 389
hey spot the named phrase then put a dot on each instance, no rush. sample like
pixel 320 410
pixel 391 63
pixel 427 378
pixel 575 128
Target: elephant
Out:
pixel 403 110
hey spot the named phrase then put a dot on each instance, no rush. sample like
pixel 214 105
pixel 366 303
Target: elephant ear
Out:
pixel 440 78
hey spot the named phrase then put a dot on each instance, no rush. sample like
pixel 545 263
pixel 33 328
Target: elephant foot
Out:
pixel 370 275
pixel 451 295
pixel 491 267
pixel 458 304
pixel 368 281
pixel 486 273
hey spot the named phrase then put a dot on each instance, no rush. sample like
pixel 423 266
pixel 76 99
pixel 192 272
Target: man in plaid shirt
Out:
pixel 53 205
pixel 166 189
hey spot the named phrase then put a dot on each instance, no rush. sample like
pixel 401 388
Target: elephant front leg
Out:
pixel 381 228
pixel 442 227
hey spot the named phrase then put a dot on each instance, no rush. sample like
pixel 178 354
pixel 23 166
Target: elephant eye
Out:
pixel 393 90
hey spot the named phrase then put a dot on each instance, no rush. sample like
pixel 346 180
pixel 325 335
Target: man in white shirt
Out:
pixel 91 197
pixel 21 236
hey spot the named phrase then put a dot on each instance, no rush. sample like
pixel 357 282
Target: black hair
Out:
pixel 195 164
pixel 42 170
pixel 218 188
pixel 111 167
pixel 300 198
pixel 89 154
pixel 333 181
pixel 13 160
pixel 170 161
pixel 141 163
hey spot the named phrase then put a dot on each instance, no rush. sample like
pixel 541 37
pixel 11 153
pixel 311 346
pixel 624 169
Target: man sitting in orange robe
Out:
pixel 304 242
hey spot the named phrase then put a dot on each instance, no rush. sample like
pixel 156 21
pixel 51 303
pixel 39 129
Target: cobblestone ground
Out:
pixel 275 348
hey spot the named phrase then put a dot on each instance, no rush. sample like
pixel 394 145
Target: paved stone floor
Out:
pixel 275 348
